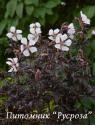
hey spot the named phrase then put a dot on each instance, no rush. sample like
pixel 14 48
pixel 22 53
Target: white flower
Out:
pixel 93 32
pixel 27 47
pixel 13 63
pixel 62 42
pixel 84 18
pixel 52 34
pixel 14 34
pixel 71 29
pixel 34 37
pixel 35 28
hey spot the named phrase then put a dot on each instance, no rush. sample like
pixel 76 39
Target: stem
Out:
pixel 30 61
pixel 18 79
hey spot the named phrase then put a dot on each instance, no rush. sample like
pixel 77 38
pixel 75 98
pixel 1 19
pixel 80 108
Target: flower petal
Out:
pixel 11 70
pixel 71 29
pixel 51 38
pixel 10 59
pixel 71 26
pixel 84 18
pixel 38 30
pixel 22 48
pixel 9 63
pixel 33 49
pixel 32 25
pixel 51 32
pixel 57 46
pixel 65 48
pixel 87 21
pixel 14 68
pixel 58 38
pixel 18 31
pixel 32 30
pixel 9 35
pixel 56 31
pixel 64 37
pixel 17 64
pixel 71 36
pixel 12 29
pixel 32 37
pixel 19 36
pixel 38 24
pixel 32 42
pixel 15 60
pixel 26 52
pixel 24 41
pixel 68 42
